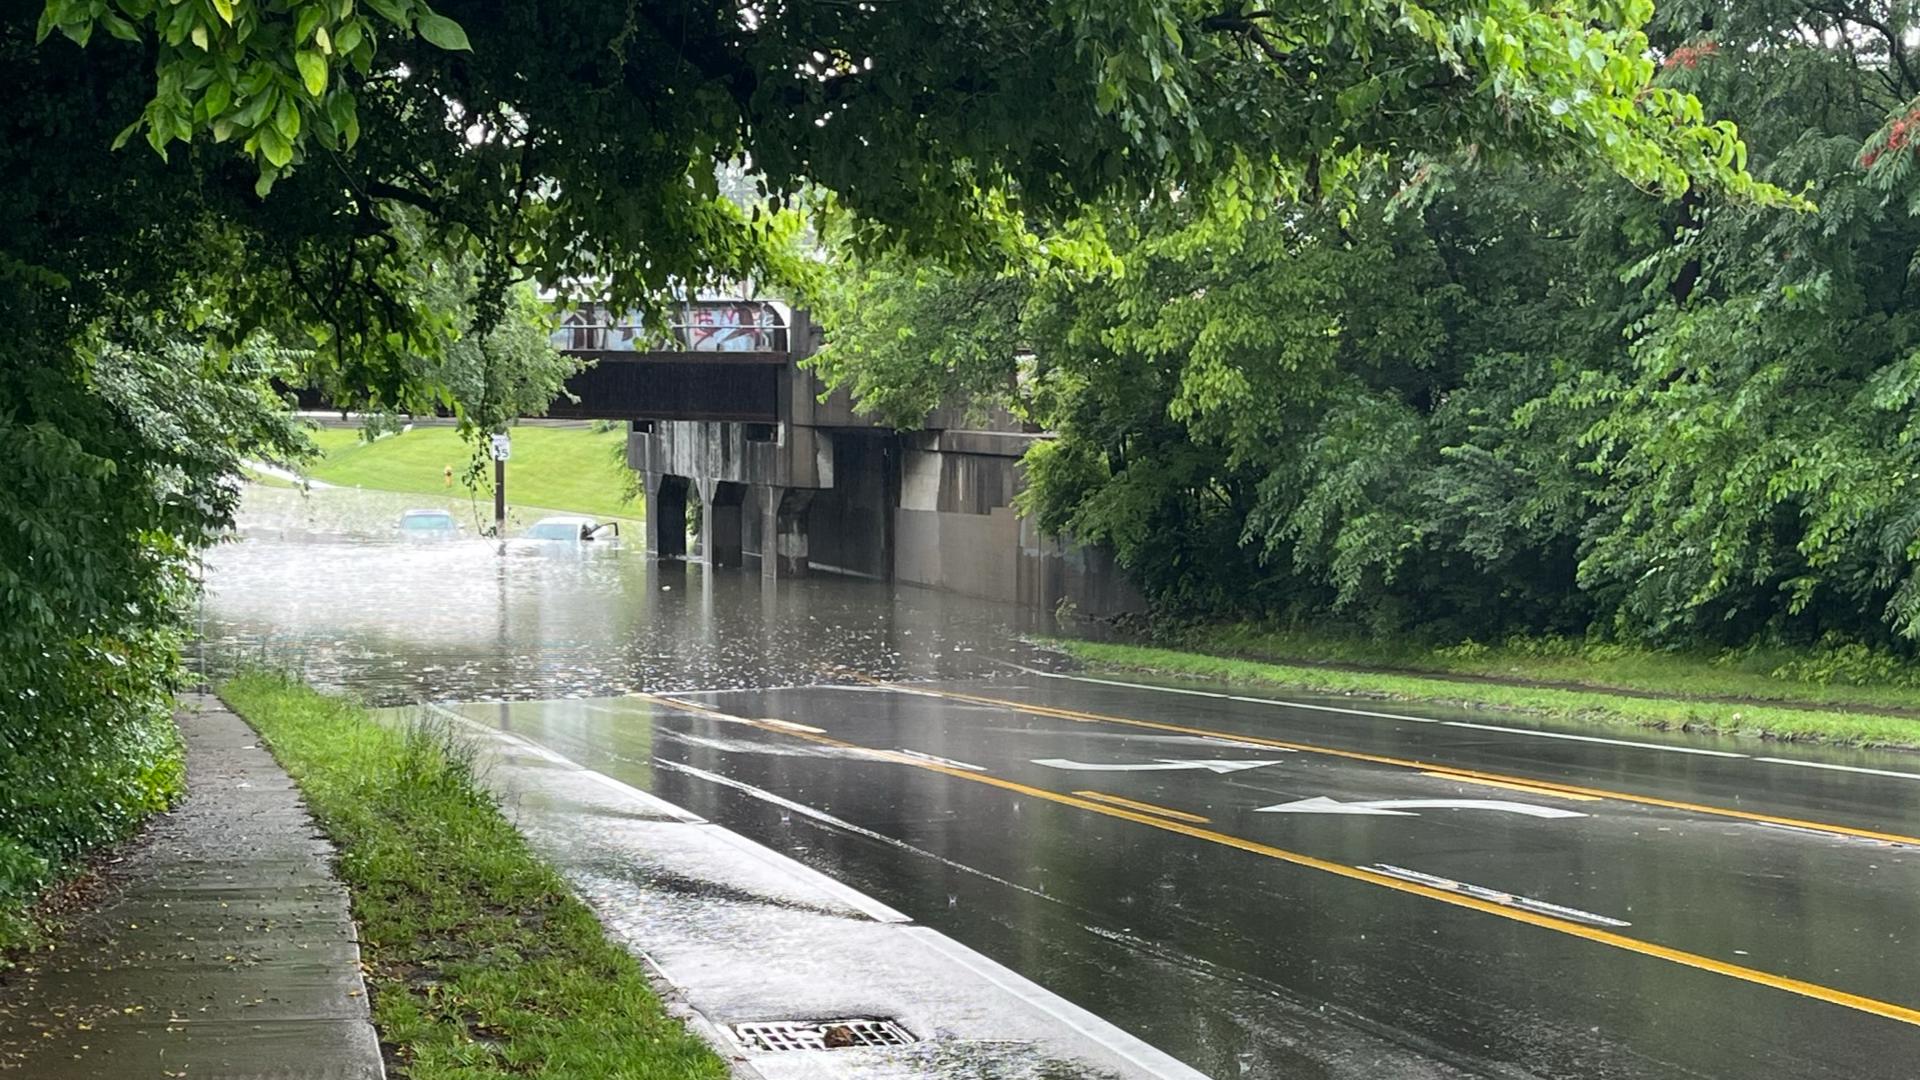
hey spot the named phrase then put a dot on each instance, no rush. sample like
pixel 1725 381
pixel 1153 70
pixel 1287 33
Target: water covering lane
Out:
pixel 1563 857
pixel 1243 965
pixel 1737 774
pixel 1398 963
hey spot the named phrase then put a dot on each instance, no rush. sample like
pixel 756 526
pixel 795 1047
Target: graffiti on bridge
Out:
pixel 703 326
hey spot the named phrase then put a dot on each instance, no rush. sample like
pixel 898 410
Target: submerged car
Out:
pixel 573 530
pixel 428 525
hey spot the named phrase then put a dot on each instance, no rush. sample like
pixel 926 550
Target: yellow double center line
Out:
pixel 1499 779
pixel 1755 976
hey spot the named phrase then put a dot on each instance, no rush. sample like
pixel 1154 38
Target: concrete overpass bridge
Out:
pixel 788 477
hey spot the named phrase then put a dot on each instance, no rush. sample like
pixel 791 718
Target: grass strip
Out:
pixel 1850 678
pixel 1582 706
pixel 482 963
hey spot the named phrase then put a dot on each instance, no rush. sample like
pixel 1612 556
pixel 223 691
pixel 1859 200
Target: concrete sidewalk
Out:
pixel 221 947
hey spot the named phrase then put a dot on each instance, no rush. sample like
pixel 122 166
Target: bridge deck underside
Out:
pixel 675 386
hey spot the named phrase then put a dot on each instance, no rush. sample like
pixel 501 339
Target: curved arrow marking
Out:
pixel 1404 807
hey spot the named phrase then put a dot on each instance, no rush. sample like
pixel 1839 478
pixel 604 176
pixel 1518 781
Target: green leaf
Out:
pixel 255 110
pixel 309 21
pixel 313 71
pixel 119 27
pixel 344 117
pixel 286 119
pixel 275 146
pixel 126 133
pixel 215 101
pixel 443 32
pixel 395 11
pixel 265 184
pixel 224 8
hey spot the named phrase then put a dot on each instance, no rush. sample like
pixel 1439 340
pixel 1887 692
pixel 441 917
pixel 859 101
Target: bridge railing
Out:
pixel 742 326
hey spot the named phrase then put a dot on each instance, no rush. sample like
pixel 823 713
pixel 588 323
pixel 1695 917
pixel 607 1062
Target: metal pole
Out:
pixel 499 497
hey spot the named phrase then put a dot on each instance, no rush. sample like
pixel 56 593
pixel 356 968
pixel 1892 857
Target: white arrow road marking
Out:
pixel 1158 765
pixel 1403 807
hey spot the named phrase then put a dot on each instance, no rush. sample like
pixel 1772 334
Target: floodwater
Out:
pixel 320 583
pixel 1261 888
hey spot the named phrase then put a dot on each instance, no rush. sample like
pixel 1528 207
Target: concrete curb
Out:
pixel 737 931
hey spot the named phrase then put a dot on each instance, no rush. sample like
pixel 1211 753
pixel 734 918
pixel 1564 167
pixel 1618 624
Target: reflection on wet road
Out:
pixel 1261 888
pixel 401 622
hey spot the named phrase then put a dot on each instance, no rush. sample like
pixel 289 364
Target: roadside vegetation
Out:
pixel 320 224
pixel 1589 706
pixel 563 467
pixel 1516 403
pixel 70 788
pixel 480 961
pixel 1850 676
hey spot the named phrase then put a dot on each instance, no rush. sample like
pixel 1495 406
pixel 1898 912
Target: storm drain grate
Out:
pixel 777 1035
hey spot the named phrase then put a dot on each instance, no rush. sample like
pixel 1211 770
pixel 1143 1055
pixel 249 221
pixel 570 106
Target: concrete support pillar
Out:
pixel 720 521
pixel 783 530
pixel 667 515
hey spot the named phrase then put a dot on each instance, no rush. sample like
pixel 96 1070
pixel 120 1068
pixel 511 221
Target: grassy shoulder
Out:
pixel 481 962
pixel 563 467
pixel 1848 677
pixel 1580 705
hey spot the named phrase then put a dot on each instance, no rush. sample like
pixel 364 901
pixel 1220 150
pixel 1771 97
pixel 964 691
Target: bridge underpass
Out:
pixel 789 477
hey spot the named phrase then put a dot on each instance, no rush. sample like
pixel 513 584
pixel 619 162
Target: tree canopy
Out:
pixel 204 200
pixel 1489 399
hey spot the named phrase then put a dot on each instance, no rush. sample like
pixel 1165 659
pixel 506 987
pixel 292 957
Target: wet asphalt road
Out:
pixel 1613 904
pixel 1614 939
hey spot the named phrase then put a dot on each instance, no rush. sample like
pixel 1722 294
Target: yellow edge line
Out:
pixel 1422 766
pixel 1800 987
pixel 1177 815
pixel 1531 789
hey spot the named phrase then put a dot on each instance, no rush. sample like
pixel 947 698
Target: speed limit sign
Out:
pixel 502 446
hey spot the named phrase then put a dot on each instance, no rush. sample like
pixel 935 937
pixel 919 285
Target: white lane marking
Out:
pixel 1839 768
pixel 938 760
pixel 1388 716
pixel 1230 697
pixel 1404 807
pixel 792 726
pixel 1160 765
pixel 1496 896
pixel 1825 834
pixel 522 742
pixel 1535 732
pixel 766 747
pixel 828 819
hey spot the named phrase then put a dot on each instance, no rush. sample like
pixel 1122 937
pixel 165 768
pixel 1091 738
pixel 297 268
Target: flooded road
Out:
pixel 320 584
pixel 1261 888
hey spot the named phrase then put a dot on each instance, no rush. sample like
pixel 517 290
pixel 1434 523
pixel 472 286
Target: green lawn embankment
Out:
pixel 1847 678
pixel 480 961
pixel 562 467
pixel 1583 705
